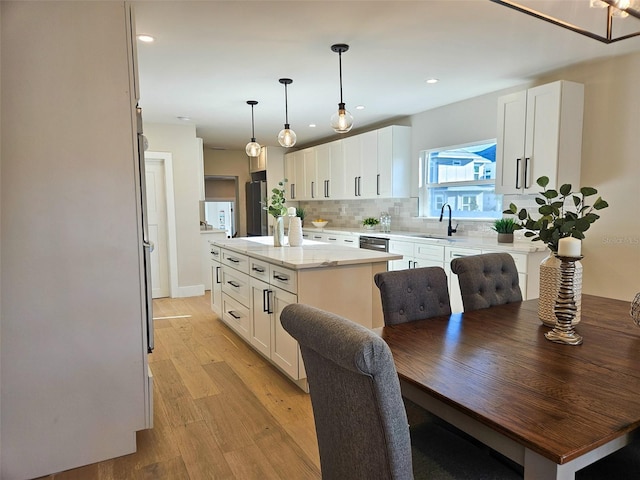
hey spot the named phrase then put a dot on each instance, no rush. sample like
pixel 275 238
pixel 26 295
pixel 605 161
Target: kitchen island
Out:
pixel 252 281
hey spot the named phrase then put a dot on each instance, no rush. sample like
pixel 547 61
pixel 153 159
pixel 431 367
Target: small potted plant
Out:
pixel 370 223
pixel 504 227
pixel 300 213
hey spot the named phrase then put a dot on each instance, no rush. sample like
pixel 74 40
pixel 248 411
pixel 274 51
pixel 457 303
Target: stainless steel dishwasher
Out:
pixel 380 244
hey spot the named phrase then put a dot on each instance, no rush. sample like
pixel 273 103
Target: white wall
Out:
pixel 73 362
pixel 181 141
pixel 609 161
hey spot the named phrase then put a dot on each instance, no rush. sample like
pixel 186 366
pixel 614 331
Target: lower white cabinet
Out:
pixel 267 335
pixel 215 269
pixel 345 240
pixel 415 255
pixel 254 291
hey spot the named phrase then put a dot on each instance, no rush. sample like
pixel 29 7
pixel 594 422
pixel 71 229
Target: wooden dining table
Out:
pixel 550 407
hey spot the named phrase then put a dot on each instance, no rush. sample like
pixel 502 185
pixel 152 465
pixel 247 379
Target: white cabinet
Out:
pixel 539 134
pixel 206 240
pixel 360 157
pixel 415 255
pixel 294 173
pixel 394 162
pixel 310 176
pixel 215 269
pixel 378 163
pixel 346 240
pixel 259 163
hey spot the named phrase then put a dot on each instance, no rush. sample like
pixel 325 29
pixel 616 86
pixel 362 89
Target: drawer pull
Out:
pixel 218 275
pixel 233 314
pixel 215 253
pixel 234 284
pixel 282 278
pixel 258 269
pixel 234 260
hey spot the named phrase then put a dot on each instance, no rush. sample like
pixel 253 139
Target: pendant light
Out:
pixel 286 137
pixel 341 121
pixel 253 147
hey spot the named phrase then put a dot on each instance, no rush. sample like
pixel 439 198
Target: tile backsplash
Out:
pixel 404 215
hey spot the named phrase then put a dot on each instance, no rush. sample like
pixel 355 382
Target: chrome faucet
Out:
pixel 450 230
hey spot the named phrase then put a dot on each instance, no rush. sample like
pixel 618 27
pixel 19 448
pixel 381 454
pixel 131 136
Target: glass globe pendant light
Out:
pixel 253 147
pixel 341 121
pixel 286 137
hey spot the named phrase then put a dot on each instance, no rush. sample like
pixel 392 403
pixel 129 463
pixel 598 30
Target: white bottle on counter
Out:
pixel 295 231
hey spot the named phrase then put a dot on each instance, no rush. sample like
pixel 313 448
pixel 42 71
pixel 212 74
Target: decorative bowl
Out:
pixel 320 224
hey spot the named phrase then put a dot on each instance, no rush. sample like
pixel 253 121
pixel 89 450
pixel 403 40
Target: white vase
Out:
pixel 278 232
pixel 295 232
pixel 550 286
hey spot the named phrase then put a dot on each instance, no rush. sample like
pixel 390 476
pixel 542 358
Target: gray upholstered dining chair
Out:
pixel 413 294
pixel 487 280
pixel 360 417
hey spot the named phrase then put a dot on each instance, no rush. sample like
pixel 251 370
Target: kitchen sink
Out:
pixel 434 237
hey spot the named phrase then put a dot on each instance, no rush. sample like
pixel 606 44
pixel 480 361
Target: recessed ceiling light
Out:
pixel 432 80
pixel 360 107
pixel 184 119
pixel 312 125
pixel 146 38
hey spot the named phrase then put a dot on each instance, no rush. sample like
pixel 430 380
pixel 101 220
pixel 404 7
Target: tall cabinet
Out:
pixel 539 134
pixel 75 385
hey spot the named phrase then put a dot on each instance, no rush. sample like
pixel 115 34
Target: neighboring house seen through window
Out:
pixel 462 176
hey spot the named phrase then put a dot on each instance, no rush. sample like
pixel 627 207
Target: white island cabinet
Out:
pixel 259 280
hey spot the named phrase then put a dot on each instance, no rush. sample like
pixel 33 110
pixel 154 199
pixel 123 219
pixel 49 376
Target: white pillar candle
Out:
pixel 569 247
pixel 291 211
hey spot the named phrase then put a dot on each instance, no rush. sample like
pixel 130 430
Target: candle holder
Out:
pixel 565 307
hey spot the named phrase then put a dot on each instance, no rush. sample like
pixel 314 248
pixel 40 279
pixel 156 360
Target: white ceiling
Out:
pixel 210 57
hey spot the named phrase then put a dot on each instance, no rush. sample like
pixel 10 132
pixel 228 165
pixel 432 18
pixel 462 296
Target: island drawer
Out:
pixel 236 285
pixel 236 315
pixel 235 260
pixel 282 277
pixel 259 269
pixel 215 252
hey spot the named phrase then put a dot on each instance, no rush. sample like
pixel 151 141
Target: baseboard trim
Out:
pixel 190 291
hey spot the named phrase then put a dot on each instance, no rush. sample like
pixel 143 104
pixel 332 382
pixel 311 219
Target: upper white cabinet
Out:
pixel 539 134
pixel 374 164
pixel 259 163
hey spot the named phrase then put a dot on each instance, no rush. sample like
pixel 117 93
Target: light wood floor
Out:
pixel 220 410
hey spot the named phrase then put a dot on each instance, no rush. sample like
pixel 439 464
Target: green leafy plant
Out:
pixel 277 206
pixel 372 221
pixel 557 219
pixel 504 225
pixel 300 213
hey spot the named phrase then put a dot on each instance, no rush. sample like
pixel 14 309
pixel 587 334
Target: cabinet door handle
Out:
pixel 355 186
pixel 218 275
pixel 215 253
pixel 233 284
pixel 258 269
pixel 378 184
pixel 234 260
pixel 526 166
pixel 265 300
pixel 326 189
pixel 359 186
pixel 313 193
pixel 282 278
pixel 269 294
pixel 409 264
pixel 233 314
pixel 518 160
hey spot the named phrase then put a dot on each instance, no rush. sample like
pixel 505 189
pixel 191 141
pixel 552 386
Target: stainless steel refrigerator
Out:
pixel 256 215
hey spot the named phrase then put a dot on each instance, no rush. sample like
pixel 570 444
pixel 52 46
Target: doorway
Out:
pixel 220 205
pixel 161 223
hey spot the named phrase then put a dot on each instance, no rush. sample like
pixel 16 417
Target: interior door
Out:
pixel 157 220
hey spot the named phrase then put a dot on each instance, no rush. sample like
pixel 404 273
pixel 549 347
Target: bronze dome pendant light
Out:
pixel 253 147
pixel 341 121
pixel 286 137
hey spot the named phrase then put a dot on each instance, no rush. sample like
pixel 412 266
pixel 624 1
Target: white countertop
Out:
pixel 310 255
pixel 214 230
pixel 487 242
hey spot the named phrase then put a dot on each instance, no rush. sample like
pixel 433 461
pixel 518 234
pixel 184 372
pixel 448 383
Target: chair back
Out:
pixel 413 294
pixel 361 422
pixel 487 280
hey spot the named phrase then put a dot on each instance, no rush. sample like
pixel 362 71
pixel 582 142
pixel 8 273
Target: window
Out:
pixel 463 177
